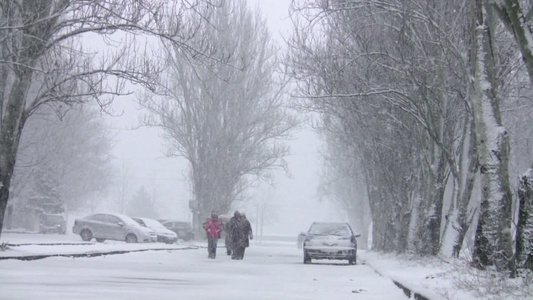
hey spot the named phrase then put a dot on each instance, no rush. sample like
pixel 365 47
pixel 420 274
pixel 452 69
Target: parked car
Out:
pixel 109 226
pixel 330 241
pixel 52 223
pixel 164 234
pixel 182 229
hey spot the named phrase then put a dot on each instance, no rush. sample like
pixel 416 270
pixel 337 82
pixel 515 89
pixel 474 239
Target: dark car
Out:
pixel 52 223
pixel 330 241
pixel 181 228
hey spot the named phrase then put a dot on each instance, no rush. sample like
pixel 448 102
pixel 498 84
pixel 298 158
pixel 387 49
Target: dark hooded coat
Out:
pixel 240 232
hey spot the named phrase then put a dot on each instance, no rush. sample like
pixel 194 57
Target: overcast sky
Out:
pixel 293 200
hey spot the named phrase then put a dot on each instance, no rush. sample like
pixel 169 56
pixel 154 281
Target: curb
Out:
pixel 407 291
pixel 50 244
pixel 90 254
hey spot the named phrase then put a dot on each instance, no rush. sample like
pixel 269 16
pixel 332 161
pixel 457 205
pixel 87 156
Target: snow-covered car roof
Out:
pixel 151 222
pixel 126 219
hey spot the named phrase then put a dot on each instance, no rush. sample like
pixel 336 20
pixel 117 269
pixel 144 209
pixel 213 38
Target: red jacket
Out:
pixel 213 228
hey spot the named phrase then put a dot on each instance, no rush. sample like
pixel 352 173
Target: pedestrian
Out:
pixel 213 227
pixel 232 226
pixel 247 234
pixel 242 233
pixel 227 238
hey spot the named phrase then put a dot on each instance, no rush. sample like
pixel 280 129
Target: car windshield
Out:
pixel 152 223
pixel 51 219
pixel 329 229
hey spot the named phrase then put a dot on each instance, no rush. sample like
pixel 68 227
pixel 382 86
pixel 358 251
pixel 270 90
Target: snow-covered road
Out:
pixel 268 271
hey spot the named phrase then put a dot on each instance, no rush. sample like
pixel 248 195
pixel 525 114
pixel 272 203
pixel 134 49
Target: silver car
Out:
pixel 330 241
pixel 108 226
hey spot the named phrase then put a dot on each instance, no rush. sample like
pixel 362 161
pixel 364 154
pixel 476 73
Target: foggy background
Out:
pixel 293 203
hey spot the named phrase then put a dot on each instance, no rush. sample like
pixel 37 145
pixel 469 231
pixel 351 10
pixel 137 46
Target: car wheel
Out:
pixel 131 238
pixel 86 235
pixel 307 259
pixel 100 240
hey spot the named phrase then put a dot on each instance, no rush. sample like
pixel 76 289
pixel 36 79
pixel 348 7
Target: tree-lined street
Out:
pixel 424 108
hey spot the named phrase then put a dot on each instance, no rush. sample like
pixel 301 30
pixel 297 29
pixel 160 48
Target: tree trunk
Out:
pixel 435 217
pixel 414 224
pixel 493 244
pixel 524 227
pixel 512 15
pixel 4 196
pixel 429 229
pixel 10 131
pixel 465 217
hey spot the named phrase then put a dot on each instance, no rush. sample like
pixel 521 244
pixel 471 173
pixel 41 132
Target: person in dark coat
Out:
pixel 227 238
pixel 213 228
pixel 241 233
pixel 232 227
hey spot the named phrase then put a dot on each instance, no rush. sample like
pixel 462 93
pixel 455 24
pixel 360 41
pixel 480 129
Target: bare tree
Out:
pixel 397 80
pixel 226 118
pixel 493 235
pixel 342 182
pixel 75 148
pixel 518 18
pixel 43 63
pixel 393 90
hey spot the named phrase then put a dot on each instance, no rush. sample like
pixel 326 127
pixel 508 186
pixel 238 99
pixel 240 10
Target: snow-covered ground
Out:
pixel 33 246
pixel 439 279
pixel 271 270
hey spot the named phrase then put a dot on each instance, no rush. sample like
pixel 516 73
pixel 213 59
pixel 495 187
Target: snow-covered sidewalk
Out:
pixel 35 246
pixel 436 279
pixel 31 252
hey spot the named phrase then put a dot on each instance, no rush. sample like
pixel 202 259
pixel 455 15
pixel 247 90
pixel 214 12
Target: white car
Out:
pixel 109 226
pixel 330 241
pixel 163 234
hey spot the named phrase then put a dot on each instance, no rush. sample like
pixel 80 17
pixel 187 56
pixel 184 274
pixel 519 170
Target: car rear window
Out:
pixel 52 219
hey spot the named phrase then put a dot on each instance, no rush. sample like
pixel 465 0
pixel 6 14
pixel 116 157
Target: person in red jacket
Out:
pixel 213 228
